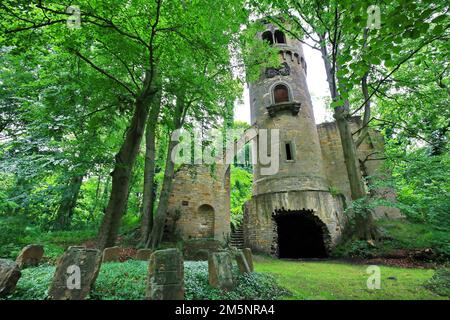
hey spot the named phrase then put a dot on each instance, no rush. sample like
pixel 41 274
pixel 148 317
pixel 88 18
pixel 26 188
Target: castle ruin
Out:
pixel 298 212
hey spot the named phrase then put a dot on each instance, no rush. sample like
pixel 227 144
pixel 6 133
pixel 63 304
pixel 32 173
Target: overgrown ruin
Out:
pixel 298 212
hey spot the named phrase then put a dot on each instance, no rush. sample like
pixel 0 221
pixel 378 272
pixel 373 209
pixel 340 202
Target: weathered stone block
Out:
pixel 111 254
pixel 144 254
pixel 242 262
pixel 199 249
pixel 249 257
pixel 220 270
pixel 31 255
pixel 75 274
pixel 9 275
pixel 166 275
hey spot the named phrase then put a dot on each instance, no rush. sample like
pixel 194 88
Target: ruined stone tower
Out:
pixel 292 213
pixel 297 207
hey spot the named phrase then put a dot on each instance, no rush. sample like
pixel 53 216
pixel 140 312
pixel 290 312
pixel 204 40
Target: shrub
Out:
pixel 440 282
pixel 354 249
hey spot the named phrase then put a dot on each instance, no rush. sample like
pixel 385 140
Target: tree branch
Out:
pixel 78 54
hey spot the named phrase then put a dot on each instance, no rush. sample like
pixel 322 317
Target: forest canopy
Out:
pixel 90 94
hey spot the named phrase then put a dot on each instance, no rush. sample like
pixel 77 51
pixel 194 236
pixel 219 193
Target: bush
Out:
pixel 12 230
pixel 354 249
pixel 440 282
pixel 16 232
pixel 128 281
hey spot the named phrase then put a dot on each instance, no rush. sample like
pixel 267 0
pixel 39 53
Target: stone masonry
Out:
pixel 311 186
pixel 166 275
pixel 199 205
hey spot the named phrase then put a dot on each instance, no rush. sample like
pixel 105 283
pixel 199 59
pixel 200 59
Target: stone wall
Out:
pixel 333 159
pixel 260 227
pixel 199 205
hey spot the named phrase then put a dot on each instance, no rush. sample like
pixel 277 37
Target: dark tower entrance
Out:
pixel 300 234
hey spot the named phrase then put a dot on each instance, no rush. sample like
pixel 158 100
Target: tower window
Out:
pixel 267 36
pixel 279 37
pixel 281 93
pixel 289 151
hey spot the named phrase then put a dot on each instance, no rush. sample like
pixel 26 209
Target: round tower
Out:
pixel 280 100
pixel 292 213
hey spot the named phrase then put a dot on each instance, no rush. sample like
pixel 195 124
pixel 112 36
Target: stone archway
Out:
pixel 299 234
pixel 206 221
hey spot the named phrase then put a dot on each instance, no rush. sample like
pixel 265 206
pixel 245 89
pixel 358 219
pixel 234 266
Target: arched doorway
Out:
pixel 206 221
pixel 299 234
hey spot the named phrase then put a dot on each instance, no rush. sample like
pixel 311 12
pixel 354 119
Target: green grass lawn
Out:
pixel 327 280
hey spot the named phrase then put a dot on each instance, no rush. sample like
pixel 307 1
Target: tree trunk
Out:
pixel 161 214
pixel 350 154
pixel 364 224
pixel 149 171
pixel 68 203
pixel 123 167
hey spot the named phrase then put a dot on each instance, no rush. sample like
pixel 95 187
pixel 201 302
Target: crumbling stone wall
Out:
pixel 199 205
pixel 371 148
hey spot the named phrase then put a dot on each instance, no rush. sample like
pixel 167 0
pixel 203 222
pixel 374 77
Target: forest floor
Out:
pixel 334 279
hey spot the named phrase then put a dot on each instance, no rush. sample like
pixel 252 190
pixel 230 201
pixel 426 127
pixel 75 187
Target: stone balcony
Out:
pixel 292 106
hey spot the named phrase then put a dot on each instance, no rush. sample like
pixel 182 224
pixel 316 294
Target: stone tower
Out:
pixel 292 213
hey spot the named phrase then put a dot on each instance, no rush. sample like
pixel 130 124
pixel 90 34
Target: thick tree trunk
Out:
pixel 149 171
pixel 364 223
pixel 122 170
pixel 68 203
pixel 161 214
pixel 350 154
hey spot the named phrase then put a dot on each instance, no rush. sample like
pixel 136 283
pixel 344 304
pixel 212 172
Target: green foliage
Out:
pixel 409 235
pixel 398 235
pixel 250 287
pixel 121 281
pixel 34 283
pixel 128 281
pixel 355 249
pixel 440 282
pixel 16 232
pixel 12 230
pixel 241 191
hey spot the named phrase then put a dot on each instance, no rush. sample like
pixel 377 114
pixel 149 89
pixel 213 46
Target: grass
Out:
pixel 328 280
pixel 409 235
pixel 400 235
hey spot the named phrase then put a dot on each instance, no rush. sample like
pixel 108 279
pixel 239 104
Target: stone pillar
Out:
pixel 9 275
pixel 31 255
pixel 220 270
pixel 75 274
pixel 165 275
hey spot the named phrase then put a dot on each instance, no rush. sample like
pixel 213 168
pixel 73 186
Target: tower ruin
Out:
pixel 292 213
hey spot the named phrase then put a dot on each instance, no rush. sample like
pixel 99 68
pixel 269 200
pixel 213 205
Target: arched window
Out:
pixel 267 36
pixel 281 94
pixel 279 37
pixel 297 58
